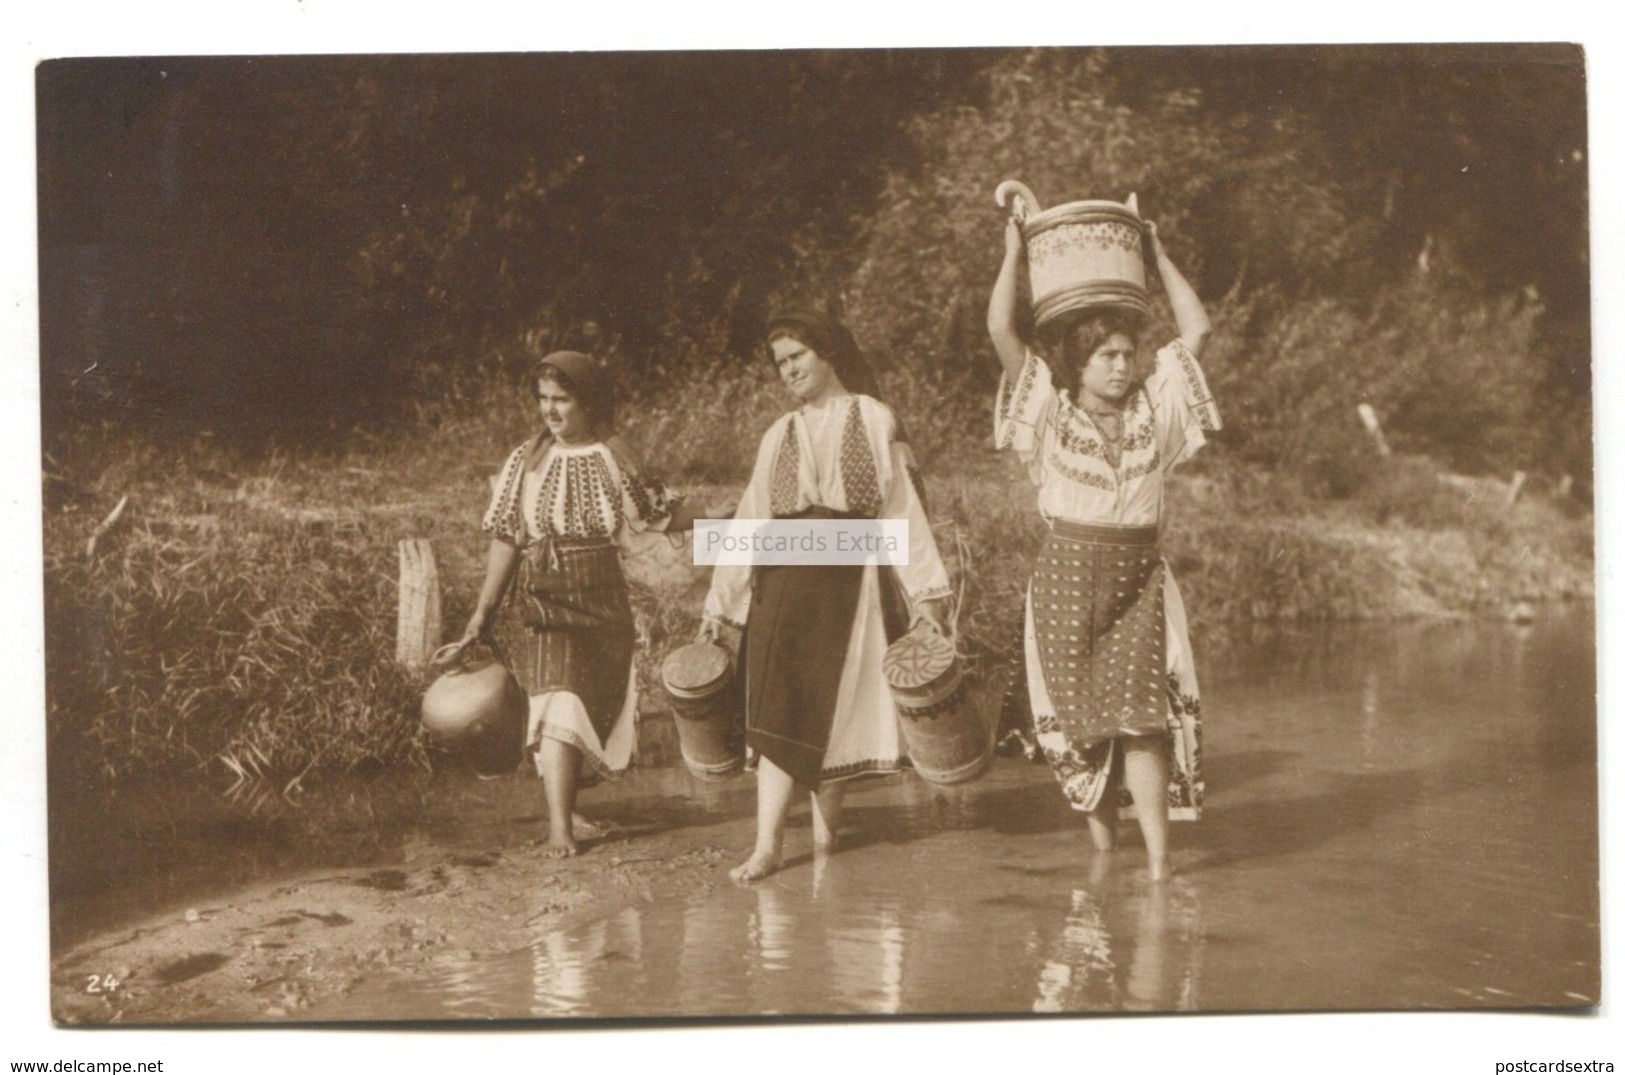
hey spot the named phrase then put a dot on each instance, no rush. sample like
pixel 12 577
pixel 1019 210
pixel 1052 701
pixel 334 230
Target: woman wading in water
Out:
pixel 566 503
pixel 1109 670
pixel 817 708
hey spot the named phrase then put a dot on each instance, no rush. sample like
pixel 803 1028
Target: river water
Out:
pixel 1398 817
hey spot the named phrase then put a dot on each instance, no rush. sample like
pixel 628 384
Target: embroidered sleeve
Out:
pixel 1023 412
pixel 1023 408
pixel 1187 412
pixel 504 519
pixel 1178 375
pixel 651 501
pixel 646 502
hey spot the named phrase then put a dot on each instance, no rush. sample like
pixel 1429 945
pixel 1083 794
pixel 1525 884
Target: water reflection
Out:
pixel 829 942
pixel 1116 951
pixel 1402 817
pixel 566 965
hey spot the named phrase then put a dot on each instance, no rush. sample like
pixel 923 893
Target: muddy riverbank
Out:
pixel 272 950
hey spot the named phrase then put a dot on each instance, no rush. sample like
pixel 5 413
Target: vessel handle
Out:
pixel 450 652
pixel 1013 193
pixel 455 652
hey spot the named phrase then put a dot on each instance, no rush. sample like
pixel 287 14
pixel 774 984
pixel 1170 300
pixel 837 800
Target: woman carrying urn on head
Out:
pixel 565 504
pixel 817 708
pixel 1109 672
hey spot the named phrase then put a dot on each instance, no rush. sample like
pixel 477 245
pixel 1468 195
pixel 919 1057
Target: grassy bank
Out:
pixel 240 616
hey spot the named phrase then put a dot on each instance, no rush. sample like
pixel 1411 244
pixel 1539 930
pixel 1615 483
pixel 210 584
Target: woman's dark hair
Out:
pixel 1077 337
pixel 831 341
pixel 579 376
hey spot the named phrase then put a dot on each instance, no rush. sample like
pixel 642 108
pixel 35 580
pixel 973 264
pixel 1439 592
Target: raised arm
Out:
pixel 1002 310
pixel 1189 314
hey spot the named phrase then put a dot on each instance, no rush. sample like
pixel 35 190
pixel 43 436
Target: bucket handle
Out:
pixel 956 603
pixel 457 652
pixel 1020 200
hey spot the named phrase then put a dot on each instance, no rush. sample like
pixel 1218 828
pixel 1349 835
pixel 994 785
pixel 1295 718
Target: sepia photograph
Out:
pixel 1157 509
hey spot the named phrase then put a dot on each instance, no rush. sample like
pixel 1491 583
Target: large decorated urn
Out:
pixel 1081 254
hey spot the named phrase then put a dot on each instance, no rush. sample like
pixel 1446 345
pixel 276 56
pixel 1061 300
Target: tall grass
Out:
pixel 252 644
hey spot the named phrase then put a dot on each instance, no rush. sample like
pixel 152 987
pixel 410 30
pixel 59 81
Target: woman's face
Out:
pixel 1109 374
pixel 566 418
pixel 803 372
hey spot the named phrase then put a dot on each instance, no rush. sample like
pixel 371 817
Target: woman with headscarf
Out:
pixel 565 504
pixel 1110 678
pixel 818 710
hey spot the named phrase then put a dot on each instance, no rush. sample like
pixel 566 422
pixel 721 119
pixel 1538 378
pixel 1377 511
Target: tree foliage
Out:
pixel 303 239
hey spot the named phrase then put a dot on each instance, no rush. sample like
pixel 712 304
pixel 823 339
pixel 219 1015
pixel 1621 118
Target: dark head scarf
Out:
pixel 833 343
pixel 584 379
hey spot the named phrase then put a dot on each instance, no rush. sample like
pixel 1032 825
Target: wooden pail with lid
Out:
pixel 705 698
pixel 476 709
pixel 1080 255
pixel 948 741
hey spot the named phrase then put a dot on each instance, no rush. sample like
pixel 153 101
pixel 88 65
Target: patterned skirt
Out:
pixel 579 640
pixel 1107 655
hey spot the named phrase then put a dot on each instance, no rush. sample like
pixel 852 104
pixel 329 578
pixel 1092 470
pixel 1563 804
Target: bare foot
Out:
pixel 1158 868
pixel 560 845
pixel 759 865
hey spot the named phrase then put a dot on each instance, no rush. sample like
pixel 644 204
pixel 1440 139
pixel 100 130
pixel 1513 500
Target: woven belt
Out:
pixel 545 552
pixel 1104 535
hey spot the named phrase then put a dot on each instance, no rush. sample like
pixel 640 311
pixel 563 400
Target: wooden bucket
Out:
pixel 1082 254
pixel 476 709
pixel 948 741
pixel 704 696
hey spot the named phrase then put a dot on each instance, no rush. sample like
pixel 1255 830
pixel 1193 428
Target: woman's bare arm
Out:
pixel 500 561
pixel 1002 311
pixel 1189 313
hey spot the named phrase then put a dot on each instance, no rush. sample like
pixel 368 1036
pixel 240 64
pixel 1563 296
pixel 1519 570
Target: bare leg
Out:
pixel 561 768
pixel 774 790
pixel 826 814
pixel 1145 772
pixel 1103 818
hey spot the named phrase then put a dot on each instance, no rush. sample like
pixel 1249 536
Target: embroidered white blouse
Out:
pixel 1165 422
pixel 575 492
pixel 845 456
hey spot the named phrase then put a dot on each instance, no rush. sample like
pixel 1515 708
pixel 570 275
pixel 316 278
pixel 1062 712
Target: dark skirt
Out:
pixel 796 638
pixel 579 630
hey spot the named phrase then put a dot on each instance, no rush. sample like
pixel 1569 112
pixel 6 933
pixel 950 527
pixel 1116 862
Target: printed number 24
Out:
pixel 101 983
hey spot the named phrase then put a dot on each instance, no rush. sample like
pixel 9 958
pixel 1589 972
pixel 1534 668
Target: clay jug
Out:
pixel 476 708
